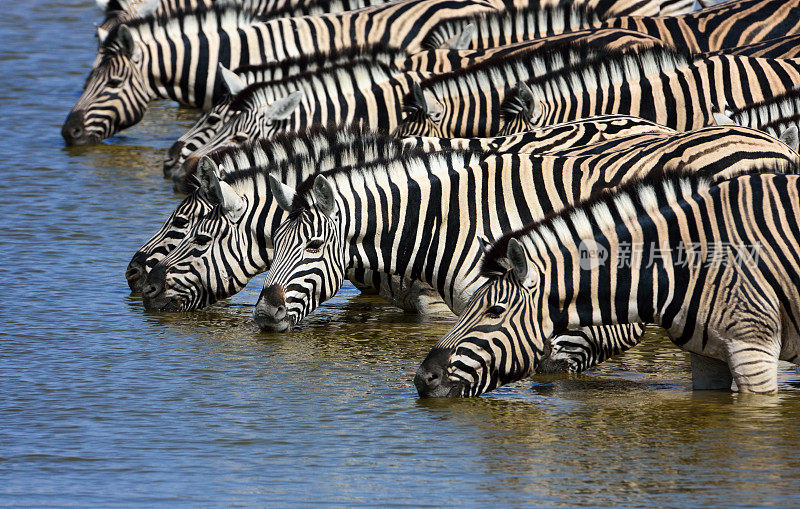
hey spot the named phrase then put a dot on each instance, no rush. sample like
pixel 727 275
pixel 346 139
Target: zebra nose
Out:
pixel 270 312
pixel 155 282
pixel 431 379
pixel 73 131
pixel 136 274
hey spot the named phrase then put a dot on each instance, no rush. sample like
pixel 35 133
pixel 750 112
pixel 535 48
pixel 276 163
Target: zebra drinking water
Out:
pixel 723 284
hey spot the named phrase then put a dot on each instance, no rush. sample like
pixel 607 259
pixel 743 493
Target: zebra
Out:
pixel 774 116
pixel 606 9
pixel 781 47
pixel 236 81
pixel 468 103
pixel 313 142
pixel 334 96
pixel 371 216
pixel 203 132
pixel 124 11
pixel 724 26
pixel 723 284
pixel 580 135
pixel 535 20
pixel 231 243
pixel 171 57
pixel 683 98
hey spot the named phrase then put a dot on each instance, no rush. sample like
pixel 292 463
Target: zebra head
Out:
pixel 521 111
pixel 206 126
pixel 423 114
pixel 185 216
pixel 310 256
pixel 115 95
pixel 252 116
pixel 483 350
pixel 208 263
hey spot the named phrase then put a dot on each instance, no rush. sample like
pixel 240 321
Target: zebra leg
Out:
pixel 411 296
pixel 750 332
pixel 710 374
pixel 754 365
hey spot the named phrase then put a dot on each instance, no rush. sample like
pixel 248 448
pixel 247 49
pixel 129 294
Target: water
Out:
pixel 104 404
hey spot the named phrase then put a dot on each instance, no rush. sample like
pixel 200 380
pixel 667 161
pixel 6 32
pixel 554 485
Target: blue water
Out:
pixel 104 404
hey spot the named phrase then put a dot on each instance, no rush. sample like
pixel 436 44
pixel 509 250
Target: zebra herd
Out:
pixel 557 173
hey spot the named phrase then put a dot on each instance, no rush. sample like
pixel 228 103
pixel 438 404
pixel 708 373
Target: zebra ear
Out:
pixel 722 119
pixel 282 193
pixel 231 80
pixel 529 107
pixel 231 203
pixel 486 246
pixel 127 43
pixel 282 108
pixel 461 40
pixel 102 33
pixel 791 137
pixel 433 107
pixel 419 97
pixel 518 260
pixel 323 195
pixel 206 175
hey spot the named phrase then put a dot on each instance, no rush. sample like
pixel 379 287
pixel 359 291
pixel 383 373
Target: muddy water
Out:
pixel 102 403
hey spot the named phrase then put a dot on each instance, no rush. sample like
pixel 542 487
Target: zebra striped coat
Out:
pixel 232 243
pixel 163 58
pixel 724 285
pixel 379 56
pixel 683 99
pixel 575 136
pixel 372 215
pixel 468 103
pixel 314 143
pixel 728 25
pixel 322 90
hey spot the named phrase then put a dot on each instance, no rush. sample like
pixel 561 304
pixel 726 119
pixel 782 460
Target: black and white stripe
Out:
pixel 737 315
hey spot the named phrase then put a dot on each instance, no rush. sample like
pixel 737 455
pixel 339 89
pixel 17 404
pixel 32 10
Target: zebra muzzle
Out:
pixel 270 313
pixel 432 380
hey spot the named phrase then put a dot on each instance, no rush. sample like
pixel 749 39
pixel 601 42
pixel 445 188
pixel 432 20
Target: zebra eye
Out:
pixel 179 222
pixel 202 239
pixel 114 82
pixel 495 311
pixel 213 120
pixel 239 138
pixel 314 245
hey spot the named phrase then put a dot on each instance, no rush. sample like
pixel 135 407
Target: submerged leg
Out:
pixel 754 366
pixel 710 374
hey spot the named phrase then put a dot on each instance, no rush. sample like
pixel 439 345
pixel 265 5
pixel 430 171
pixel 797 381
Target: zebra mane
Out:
pixel 215 16
pixel 776 110
pixel 533 18
pixel 605 207
pixel 262 93
pixel 608 69
pixel 378 54
pixel 409 161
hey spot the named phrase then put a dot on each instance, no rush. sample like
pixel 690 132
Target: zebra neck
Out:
pixel 408 225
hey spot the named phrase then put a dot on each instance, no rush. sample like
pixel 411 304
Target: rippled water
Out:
pixel 105 404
